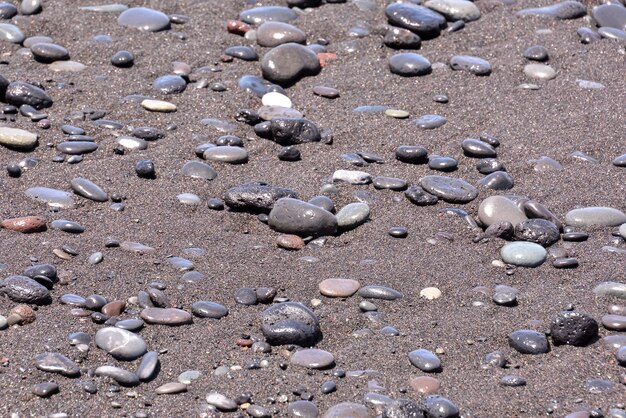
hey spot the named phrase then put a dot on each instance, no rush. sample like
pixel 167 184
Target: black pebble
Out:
pixel 328 387
pixel 123 59
pixel 289 154
pixel 14 170
pixel 145 169
pixel 398 232
pixel 215 203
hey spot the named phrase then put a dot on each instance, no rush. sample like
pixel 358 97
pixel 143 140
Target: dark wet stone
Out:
pixel 76 147
pixel 489 165
pixel 425 360
pixel 46 270
pixel 145 169
pixel 409 64
pixel 445 164
pixel 46 389
pixel 537 230
pixel 327 92
pixel 289 153
pixel 287 63
pixel 418 19
pixel 399 38
pixel 19 93
pixel 379 292
pixel 449 189
pixel 529 342
pixel 121 376
pixel 95 302
pixel 147 132
pixel 246 296
pixel 67 226
pixel 505 296
pixel 57 363
pixel 437 406
pixel 7 11
pixel 271 34
pixel 88 189
pixel 575 236
pixel 328 387
pixel 499 180
pixel 256 196
pixel 144 19
pixel 398 232
pixel 412 154
pixel 132 325
pixel 565 263
pixel 391 183
pixel 23 289
pixel 205 309
pixel 474 65
pixel 49 52
pixel 293 216
pixel 294 131
pixel 477 149
pixel 420 197
pixel 149 367
pixel 170 84
pixel 243 52
pixel 430 121
pixel 536 53
pixel 263 14
pixel 290 323
pixel 568 9
pixel 229 140
pixel 123 59
pixel 215 203
pixel 512 380
pixel 573 328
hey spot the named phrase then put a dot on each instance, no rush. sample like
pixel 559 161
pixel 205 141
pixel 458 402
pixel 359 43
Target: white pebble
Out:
pixel 158 106
pixel 430 293
pixel 274 98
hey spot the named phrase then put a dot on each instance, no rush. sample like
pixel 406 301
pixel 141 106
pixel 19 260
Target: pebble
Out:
pixel 397 113
pixel 289 153
pixel 430 293
pixel 409 64
pixel 352 215
pixel 471 64
pixel 205 309
pixel 379 292
pixel 400 38
pixel 46 389
pixel 412 154
pixel 171 388
pixel 446 164
pixel 226 154
pixel 327 92
pixel 259 15
pixel 170 84
pixel 77 147
pixel 539 231
pixel 123 59
pixel 243 52
pixel 294 131
pixel 347 409
pixel 290 323
pixel 615 289
pixel 614 322
pixel 17 138
pixel 149 366
pixel 144 19
pixel 449 189
pixel 568 9
pixel 523 254
pixel 121 376
pixel 430 121
pixel 271 34
pixel 512 380
pixel 420 20
pixel 529 342
pixel 390 183
pixel 49 52
pixel 595 216
pixel 25 224
pixel 274 98
pixel 293 216
pixel 437 406
pixel 11 33
pixel 420 197
pixel 313 358
pixel 496 209
pixel 256 196
pixel 539 71
pixel 166 316
pixel 425 385
pixel 7 11
pixel 536 53
pixel 19 93
pixel 290 242
pixel 88 189
pixel 573 328
pixel 339 288
pixel 287 63
pixel 609 15
pixel 189 376
pixel 454 10
pixel 499 180
pixel 199 170
pixel 221 402
pixel 57 363
pixel 121 344
pixel 477 149
pixel 22 289
pixel 425 360
pixel 505 295
pixel 158 106
pixel 132 325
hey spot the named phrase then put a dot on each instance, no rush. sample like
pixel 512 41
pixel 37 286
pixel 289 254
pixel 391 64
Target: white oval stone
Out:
pixel 275 98
pixel 158 106
pixel 352 176
pixel 595 216
pixel 540 71
pixel 17 138
pixel 67 66
pixel 430 293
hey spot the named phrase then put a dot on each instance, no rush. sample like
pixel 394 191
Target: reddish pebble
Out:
pixel 326 57
pixel 237 27
pixel 242 342
pixel 25 312
pixel 425 385
pixel 226 58
pixel 114 308
pixel 25 224
pixel 290 242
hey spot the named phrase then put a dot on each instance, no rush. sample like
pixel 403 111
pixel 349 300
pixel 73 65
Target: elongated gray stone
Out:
pixel 425 360
pixel 449 189
pixel 171 388
pixel 121 376
pixel 568 9
pixel 221 402
pixel 256 196
pixel 17 138
pixel 379 292
pixel 57 363
pixel 615 289
pixel 88 189
pixel 11 33
pixel 474 65
pixel 313 358
pixel 106 8
pixel 263 14
pixel 149 366
pixel 293 216
pixel 595 216
pixel 120 343
pixel 418 19
pixel 76 147
pixel 166 316
pixel 226 154
pixel 52 197
pixel 144 19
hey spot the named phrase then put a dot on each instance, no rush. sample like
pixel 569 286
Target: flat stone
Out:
pixel 539 71
pixel 471 64
pixel 529 342
pixel 144 19
pixel 287 63
pixel 187 377
pixel 24 224
pixel 49 52
pixel 121 344
pixel 614 322
pixel 390 183
pixel 106 8
pixel 274 98
pixel 339 288
pixel 425 385
pixel 170 84
pixel 22 289
pixel 418 19
pixel 352 215
pixel 352 176
pixel 568 9
pixel 199 170
pixel 226 154
pixel 595 216
pixel 11 33
pixel 57 363
pixel 149 366
pixel 292 216
pixel 313 358
pixel 17 138
pixel 132 143
pixel 412 154
pixel 524 254
pixel 325 91
pixel 205 309
pixel 171 388
pixel 290 323
pixel 290 242
pixel 379 292
pixel 121 376
pixel 243 52
pixel 67 226
pixel 409 64
pixel 166 316
pixel 477 149
pixel 425 360
pixel 303 409
pixel 158 106
pixel 89 190
pixel 496 209
pixel 449 189
pixel 615 289
pixel 271 34
pixel 259 15
pixel 46 389
pixel 76 147
pixel 420 197
pixel 221 402
pixel 347 409
pixel 454 10
pixel 536 53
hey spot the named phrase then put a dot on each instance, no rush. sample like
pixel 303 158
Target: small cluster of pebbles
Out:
pixel 72 166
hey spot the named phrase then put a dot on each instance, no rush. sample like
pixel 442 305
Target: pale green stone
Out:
pixel 524 254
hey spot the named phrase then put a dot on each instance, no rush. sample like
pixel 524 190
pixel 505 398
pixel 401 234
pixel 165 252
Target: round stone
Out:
pixel 49 52
pixel 537 230
pixel 293 216
pixel 455 10
pixel 170 84
pixel 573 328
pixel 121 344
pixel 347 409
pixel 524 254
pixel 226 154
pixel 205 309
pixel 398 232
pixel 614 322
pixel 271 34
pixel 473 65
pixel 339 288
pixel 313 358
pixel 595 216
pixel 290 323
pixel 17 138
pixel 352 215
pixel 496 209
pixel 166 316
pixel 539 71
pixel 123 59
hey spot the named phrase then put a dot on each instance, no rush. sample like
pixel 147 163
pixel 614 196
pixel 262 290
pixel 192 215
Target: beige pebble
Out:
pixel 430 293
pixel 158 106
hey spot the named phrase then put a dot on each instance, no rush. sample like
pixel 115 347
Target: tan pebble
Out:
pixel 24 224
pixel 26 314
pixel 158 106
pixel 397 113
pixel 61 254
pixel 425 385
pixel 290 242
pixel 430 293
pixel 14 319
pixel 339 288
